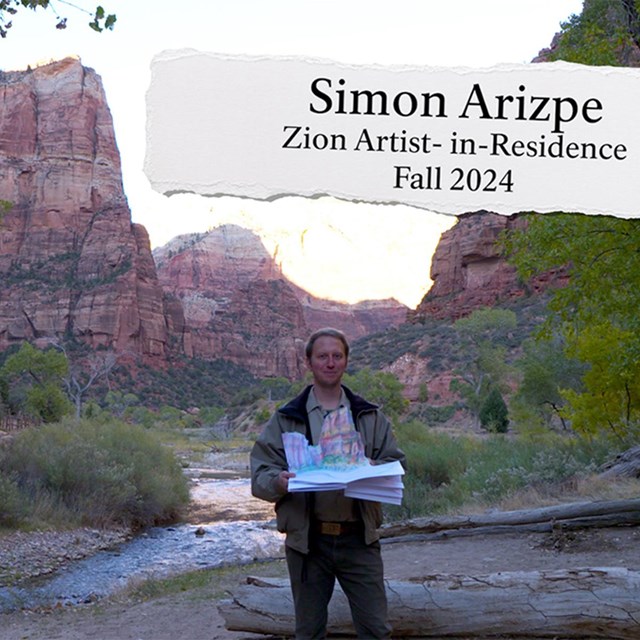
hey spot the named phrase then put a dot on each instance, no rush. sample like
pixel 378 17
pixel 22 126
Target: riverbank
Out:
pixel 179 610
pixel 27 555
pixel 168 608
pixel 44 570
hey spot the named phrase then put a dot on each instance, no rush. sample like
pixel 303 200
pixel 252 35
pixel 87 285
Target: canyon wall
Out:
pixel 239 306
pixel 73 264
pixel 71 261
pixel 470 272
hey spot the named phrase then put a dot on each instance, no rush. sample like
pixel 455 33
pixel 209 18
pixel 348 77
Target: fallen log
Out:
pixel 554 526
pixel 625 465
pixel 581 603
pixel 604 513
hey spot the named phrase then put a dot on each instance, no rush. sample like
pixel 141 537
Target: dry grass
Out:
pixel 588 489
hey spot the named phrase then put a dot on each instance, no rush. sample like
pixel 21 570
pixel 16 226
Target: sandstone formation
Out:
pixel 71 261
pixel 73 264
pixel 356 320
pixel 239 306
pixel 235 303
pixel 469 271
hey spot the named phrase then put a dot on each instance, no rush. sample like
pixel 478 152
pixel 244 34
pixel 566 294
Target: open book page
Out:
pixel 338 462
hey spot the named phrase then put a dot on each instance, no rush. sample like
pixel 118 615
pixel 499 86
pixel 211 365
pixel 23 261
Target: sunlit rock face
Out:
pixel 71 261
pixel 240 307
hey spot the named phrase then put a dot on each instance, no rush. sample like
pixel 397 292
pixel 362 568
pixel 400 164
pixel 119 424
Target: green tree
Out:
pixel 494 415
pixel 277 388
pixel 596 312
pixel 605 33
pixel 611 399
pixel 483 336
pixel 209 416
pixel 118 403
pixel 546 372
pixel 381 387
pixel 33 383
pixel 487 324
pixel 10 9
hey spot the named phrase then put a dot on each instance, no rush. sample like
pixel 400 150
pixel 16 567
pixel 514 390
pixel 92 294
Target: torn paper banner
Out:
pixel 535 137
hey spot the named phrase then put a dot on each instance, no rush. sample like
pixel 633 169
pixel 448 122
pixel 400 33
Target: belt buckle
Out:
pixel 330 528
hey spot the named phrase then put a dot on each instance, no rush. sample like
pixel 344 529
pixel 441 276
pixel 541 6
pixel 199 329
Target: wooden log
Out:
pixel 581 603
pixel 625 465
pixel 613 520
pixel 610 512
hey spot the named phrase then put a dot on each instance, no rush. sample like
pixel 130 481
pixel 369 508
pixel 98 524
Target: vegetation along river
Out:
pixel 227 526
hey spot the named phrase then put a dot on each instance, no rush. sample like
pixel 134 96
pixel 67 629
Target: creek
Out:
pixel 228 526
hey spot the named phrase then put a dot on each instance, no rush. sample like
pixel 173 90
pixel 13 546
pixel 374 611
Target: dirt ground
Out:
pixel 193 615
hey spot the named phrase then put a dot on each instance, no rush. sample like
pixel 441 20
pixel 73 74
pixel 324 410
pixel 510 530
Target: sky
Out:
pixel 338 250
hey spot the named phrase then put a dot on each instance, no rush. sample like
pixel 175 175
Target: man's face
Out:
pixel 328 361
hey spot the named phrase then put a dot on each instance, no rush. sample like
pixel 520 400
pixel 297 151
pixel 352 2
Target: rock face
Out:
pixel 239 306
pixel 356 320
pixel 235 302
pixel 469 272
pixel 71 261
pixel 73 264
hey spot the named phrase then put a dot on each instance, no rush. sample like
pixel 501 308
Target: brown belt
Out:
pixel 336 528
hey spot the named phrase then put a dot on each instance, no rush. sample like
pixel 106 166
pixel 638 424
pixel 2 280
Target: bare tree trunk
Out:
pixel 579 603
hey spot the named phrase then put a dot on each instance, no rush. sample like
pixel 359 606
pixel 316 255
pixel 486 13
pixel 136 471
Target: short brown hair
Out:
pixel 328 332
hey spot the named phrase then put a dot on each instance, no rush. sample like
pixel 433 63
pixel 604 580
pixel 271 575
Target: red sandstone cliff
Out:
pixel 235 302
pixel 357 319
pixel 469 272
pixel 71 261
pixel 239 306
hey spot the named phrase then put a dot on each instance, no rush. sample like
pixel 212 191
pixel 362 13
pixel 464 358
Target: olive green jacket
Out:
pixel 268 459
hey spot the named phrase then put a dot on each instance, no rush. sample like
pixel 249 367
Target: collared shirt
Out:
pixel 329 506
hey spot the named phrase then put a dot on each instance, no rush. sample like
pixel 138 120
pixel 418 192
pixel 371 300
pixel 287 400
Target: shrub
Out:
pixel 434 460
pixel 446 474
pixel 494 413
pixel 381 387
pixel 431 415
pixel 262 415
pixel 12 507
pixel 97 474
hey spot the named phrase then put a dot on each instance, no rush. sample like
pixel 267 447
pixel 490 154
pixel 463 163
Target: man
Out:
pixel 328 535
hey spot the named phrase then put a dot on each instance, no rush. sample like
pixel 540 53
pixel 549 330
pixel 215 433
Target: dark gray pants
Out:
pixel 358 568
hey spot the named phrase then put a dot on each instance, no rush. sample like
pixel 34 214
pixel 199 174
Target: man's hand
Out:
pixel 282 481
